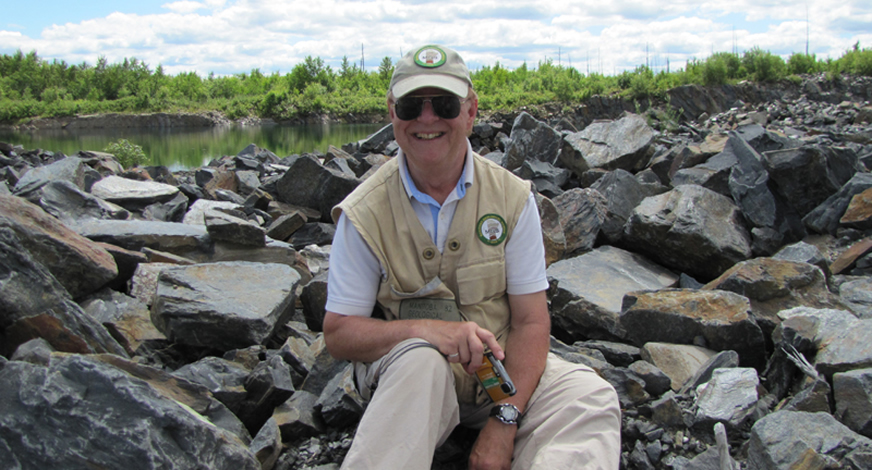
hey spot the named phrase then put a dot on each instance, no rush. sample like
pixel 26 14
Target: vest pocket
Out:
pixel 481 281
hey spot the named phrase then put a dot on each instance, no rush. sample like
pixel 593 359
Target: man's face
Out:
pixel 430 139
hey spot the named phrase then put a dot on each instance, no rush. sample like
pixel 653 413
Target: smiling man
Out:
pixel 447 248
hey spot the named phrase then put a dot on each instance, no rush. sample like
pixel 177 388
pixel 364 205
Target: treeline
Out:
pixel 34 87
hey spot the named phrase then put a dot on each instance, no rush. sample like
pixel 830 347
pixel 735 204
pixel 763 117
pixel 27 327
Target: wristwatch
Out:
pixel 506 413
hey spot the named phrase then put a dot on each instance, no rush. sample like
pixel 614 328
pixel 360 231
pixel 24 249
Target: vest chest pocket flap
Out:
pixel 481 281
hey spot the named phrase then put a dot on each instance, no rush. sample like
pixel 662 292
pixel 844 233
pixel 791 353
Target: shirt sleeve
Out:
pixel 354 274
pixel 525 253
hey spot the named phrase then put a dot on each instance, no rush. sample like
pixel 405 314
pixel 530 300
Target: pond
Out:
pixel 183 149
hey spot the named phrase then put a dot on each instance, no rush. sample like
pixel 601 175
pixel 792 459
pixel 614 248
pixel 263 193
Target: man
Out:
pixel 449 246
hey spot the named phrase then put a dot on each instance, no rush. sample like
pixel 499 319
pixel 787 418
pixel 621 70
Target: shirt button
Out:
pixel 454 245
pixel 429 253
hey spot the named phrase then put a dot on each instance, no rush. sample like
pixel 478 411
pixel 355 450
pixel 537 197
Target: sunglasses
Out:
pixel 445 106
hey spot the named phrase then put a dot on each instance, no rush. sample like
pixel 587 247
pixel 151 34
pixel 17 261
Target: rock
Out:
pixel 196 214
pixel 313 233
pixel 589 290
pixel 804 176
pixel 121 422
pixel 36 351
pixel 71 169
pixel 621 144
pixel 127 318
pixel 297 417
pixel 582 213
pixel 532 140
pixel 623 193
pixel 206 306
pixel 227 228
pixel 80 265
pixel 339 403
pixel 857 295
pixel 283 227
pixel 729 397
pixel 678 361
pixel 788 439
pixel 267 445
pixel 309 184
pixel 689 229
pixel 268 386
pixel 180 239
pixel 774 285
pixel 825 217
pixel 679 316
pixel 68 203
pixel 224 379
pixel 132 194
pixel 721 360
pixel 852 391
pixel 656 382
pixel 314 299
pixel 858 215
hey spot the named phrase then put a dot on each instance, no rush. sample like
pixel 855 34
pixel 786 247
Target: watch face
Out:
pixel 506 413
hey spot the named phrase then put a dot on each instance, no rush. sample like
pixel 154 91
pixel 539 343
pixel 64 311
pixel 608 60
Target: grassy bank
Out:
pixel 32 87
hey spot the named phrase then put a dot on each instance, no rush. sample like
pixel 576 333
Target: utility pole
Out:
pixel 806 29
pixel 362 63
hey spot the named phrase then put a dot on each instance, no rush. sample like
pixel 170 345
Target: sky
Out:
pixel 228 37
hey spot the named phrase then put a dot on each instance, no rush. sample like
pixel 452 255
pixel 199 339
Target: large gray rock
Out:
pixel 590 289
pixel 308 183
pixel 582 213
pixel 690 229
pixel 79 264
pixel 729 397
pixel 804 176
pixel 852 391
pixel 227 228
pixel 68 203
pixel 678 361
pixel 680 316
pixel 623 192
pixel 609 145
pixel 207 304
pixel 71 169
pixel 180 239
pixel 794 439
pixel 773 285
pixel 825 217
pixel 82 413
pixel 52 315
pixel 532 140
pixel 131 193
pixel 126 318
pixel 713 174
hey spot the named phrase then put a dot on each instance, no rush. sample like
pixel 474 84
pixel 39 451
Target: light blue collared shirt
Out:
pixel 437 218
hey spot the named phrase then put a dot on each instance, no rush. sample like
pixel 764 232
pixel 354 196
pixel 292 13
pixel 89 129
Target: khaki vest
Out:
pixel 472 269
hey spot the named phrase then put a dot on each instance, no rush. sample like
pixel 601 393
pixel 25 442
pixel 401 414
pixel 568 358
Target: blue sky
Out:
pixel 236 36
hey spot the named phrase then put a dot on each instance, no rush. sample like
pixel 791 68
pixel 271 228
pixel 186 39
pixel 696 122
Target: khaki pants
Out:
pixel 572 421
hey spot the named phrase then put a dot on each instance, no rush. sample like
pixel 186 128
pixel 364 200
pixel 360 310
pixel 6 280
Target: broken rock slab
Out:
pixel 208 305
pixel 590 289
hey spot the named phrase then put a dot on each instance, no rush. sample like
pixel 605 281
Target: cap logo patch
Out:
pixel 491 229
pixel 430 57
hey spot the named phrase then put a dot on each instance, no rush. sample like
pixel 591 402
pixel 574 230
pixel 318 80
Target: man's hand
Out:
pixel 463 343
pixel 494 446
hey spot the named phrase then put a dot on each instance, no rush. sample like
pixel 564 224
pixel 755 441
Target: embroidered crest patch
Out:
pixel 491 229
pixel 430 57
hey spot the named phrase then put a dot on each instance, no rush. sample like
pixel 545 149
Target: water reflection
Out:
pixel 181 149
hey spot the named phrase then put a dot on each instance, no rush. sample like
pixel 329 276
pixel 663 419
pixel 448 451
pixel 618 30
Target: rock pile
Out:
pixel 712 261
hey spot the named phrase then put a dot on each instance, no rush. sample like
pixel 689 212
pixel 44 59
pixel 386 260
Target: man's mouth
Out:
pixel 429 136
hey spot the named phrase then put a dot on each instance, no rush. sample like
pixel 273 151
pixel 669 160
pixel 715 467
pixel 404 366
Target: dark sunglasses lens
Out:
pixel 446 107
pixel 409 108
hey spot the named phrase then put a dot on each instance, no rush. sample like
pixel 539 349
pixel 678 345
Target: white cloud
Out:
pixel 228 37
pixel 185 6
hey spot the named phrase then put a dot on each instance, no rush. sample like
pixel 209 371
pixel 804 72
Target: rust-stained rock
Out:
pixel 773 285
pixel 681 315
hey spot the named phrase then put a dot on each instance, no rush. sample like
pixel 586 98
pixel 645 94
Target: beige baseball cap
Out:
pixel 431 66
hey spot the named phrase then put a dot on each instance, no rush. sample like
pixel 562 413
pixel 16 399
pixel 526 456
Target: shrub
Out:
pixel 127 153
pixel 801 63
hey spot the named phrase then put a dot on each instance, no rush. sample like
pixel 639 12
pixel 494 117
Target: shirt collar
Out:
pixel 465 181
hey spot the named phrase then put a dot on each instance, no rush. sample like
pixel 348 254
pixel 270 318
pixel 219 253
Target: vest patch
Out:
pixel 491 229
